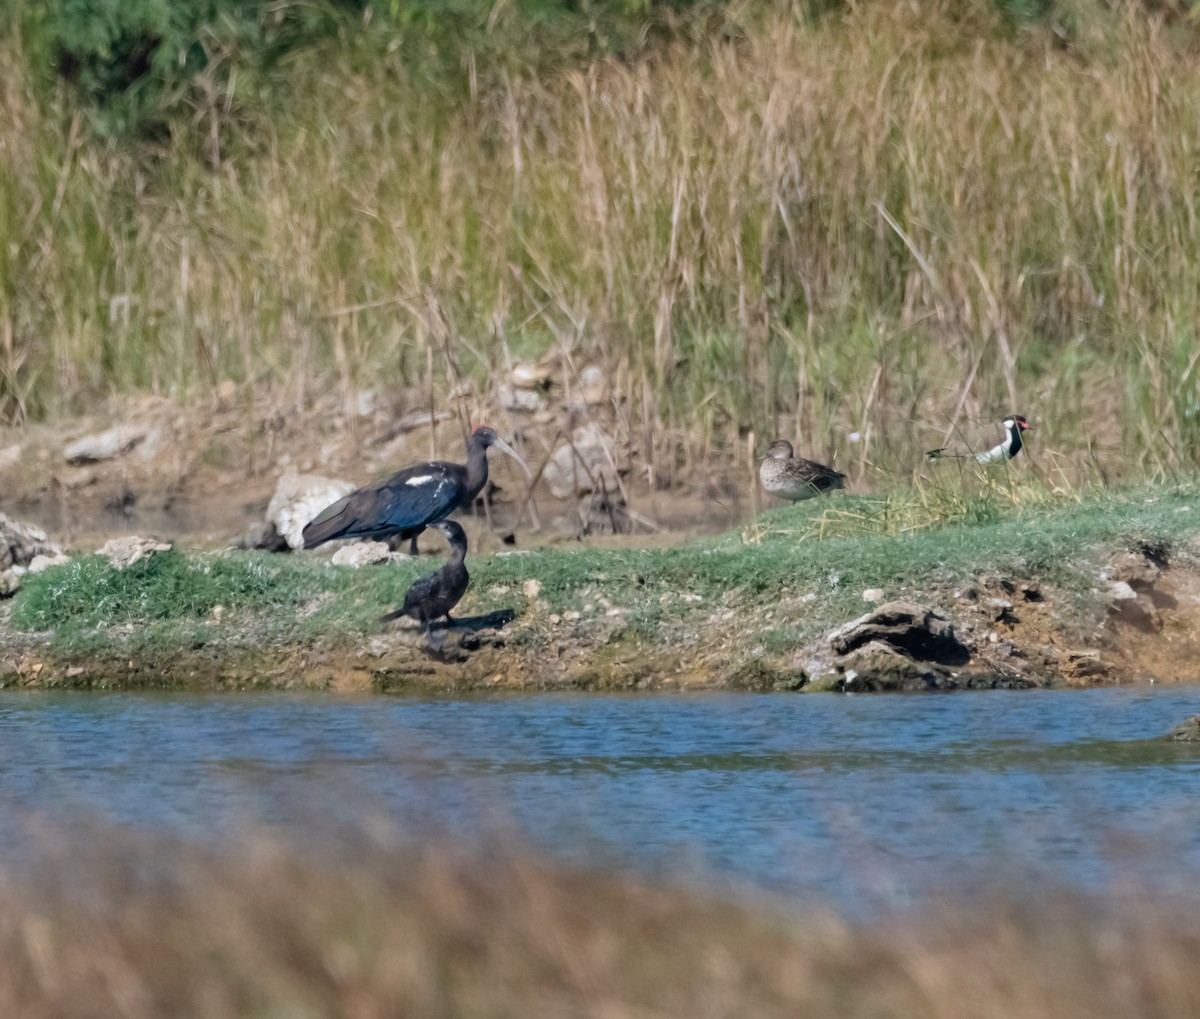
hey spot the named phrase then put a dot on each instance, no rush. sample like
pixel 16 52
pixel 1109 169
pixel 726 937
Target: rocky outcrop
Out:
pixel 125 551
pixel 262 536
pixel 1134 590
pixel 921 633
pixel 20 546
pixel 1187 731
pixel 585 464
pixel 45 562
pixel 300 497
pixel 365 553
pixel 903 645
pixel 20 542
pixel 104 445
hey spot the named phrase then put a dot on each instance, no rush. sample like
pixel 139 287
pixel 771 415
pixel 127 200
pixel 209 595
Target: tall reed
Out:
pixel 886 222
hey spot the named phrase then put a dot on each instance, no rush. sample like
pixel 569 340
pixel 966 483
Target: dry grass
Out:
pixel 136 930
pixel 907 213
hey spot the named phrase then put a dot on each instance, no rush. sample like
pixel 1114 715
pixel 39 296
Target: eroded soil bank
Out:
pixel 1138 622
pixel 981 581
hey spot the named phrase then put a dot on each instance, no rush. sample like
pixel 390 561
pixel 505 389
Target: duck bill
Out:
pixel 500 444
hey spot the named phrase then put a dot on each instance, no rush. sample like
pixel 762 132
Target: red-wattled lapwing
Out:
pixel 1004 451
pixel 788 476
pixel 410 500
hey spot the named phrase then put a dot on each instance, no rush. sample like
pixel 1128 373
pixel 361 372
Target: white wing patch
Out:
pixel 424 479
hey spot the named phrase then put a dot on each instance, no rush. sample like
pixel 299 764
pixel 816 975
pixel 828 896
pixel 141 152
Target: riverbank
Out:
pixel 1015 588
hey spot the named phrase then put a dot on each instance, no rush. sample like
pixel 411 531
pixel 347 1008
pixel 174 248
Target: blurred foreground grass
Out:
pixel 140 930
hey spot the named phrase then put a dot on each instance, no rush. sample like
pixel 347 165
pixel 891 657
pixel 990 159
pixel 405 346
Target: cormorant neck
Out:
pixel 458 553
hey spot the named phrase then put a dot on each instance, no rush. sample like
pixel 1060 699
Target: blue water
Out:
pixel 853 801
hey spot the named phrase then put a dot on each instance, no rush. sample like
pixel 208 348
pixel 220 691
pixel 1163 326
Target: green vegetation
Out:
pixel 780 581
pixel 752 217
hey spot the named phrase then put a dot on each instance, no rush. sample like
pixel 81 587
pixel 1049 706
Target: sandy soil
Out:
pixel 201 475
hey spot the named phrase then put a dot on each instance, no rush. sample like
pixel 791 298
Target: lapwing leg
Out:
pixel 412 548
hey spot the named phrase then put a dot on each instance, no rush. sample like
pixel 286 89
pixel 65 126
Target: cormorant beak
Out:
pixel 502 445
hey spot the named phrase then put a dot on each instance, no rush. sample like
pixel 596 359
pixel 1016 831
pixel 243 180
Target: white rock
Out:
pixel 226 394
pixel 72 478
pixel 151 443
pixel 300 497
pixel 419 419
pixel 126 551
pixel 531 588
pixel 593 384
pixel 9 456
pixel 10 583
pixel 44 562
pixel 362 553
pixel 104 445
pixel 873 594
pixel 530 376
pixel 585 468
pixel 20 542
pixel 365 402
pixel 1119 590
pixel 528 400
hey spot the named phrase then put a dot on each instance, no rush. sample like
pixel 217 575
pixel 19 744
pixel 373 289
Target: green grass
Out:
pixel 761 573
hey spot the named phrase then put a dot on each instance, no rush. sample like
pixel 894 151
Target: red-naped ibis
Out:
pixel 436 593
pixel 412 499
pixel 1014 425
pixel 789 476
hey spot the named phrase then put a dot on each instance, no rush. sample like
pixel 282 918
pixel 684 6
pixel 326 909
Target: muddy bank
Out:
pixel 994 631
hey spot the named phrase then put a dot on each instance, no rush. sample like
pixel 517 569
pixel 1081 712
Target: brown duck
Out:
pixel 792 477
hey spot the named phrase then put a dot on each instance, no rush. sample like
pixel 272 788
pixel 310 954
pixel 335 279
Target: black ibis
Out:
pixel 1013 426
pixel 788 476
pixel 436 593
pixel 410 500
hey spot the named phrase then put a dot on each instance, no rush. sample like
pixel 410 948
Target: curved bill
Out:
pixel 502 445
